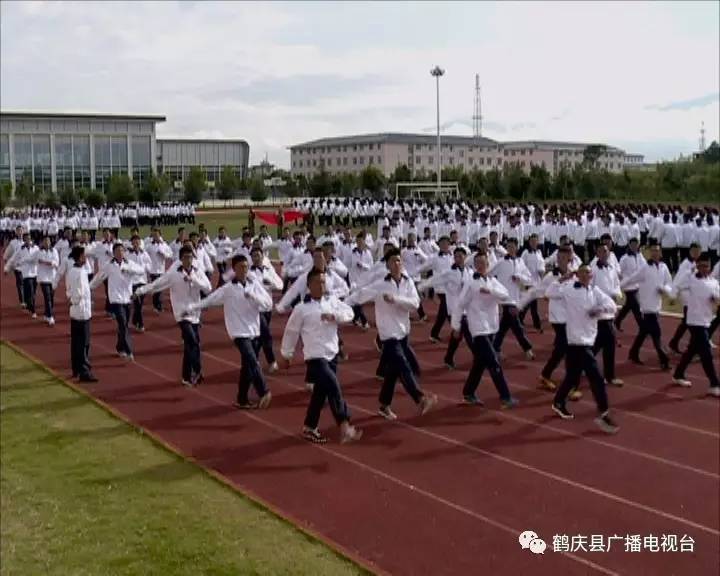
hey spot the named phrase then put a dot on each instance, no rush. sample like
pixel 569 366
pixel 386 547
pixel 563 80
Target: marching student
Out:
pixel 413 259
pixel 512 273
pixel 687 268
pixel 361 265
pixel 159 252
pixel 186 284
pixel 606 278
pixel 13 246
pixel 395 296
pixel 315 321
pixel 268 279
pixel 178 243
pixel 437 264
pixel 653 280
pixel 119 273
pixel 629 264
pixel 703 295
pixel 137 255
pixel 103 254
pixel 224 249
pixel 535 263
pixel 78 293
pixel 48 263
pixel 479 299
pixel 451 282
pixel 24 261
pixel 583 304
pixel 243 299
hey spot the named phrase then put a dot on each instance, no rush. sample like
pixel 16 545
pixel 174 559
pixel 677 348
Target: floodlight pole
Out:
pixel 437 72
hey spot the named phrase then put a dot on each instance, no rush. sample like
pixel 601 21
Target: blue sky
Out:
pixel 638 75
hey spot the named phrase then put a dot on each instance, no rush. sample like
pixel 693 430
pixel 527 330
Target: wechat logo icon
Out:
pixel 530 539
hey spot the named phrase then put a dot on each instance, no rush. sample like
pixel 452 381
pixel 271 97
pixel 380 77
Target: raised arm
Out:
pixel 291 333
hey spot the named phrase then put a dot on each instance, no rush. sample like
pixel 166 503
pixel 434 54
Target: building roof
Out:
pixel 555 144
pixel 396 138
pixel 203 140
pixel 25 114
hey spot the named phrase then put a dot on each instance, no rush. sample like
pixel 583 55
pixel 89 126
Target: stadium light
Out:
pixel 437 72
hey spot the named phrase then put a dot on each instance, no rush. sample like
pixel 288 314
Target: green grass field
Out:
pixel 233 220
pixel 83 494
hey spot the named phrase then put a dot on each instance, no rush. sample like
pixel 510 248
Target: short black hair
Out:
pixel 76 252
pixel 391 253
pixel 313 273
pixel 237 259
pixel 185 250
pixel 460 250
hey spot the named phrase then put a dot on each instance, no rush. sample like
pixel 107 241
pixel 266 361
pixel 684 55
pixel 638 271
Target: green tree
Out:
pixel 592 153
pixel 291 187
pixel 228 184
pixel 120 190
pixel 25 191
pixel 258 192
pixel 539 182
pixel 712 153
pixel 155 189
pixel 477 184
pixel 195 185
pixel 563 187
pixel 68 197
pixel 401 174
pixel 515 182
pixel 349 183
pixel 95 198
pixel 51 200
pixel 320 184
pixel 494 184
pixel 372 180
pixel 5 195
pixel 336 185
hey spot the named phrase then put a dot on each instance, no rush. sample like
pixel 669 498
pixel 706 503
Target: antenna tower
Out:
pixel 702 137
pixel 477 115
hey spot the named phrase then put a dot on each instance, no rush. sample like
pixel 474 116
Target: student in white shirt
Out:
pixel 439 263
pixel 395 296
pixel 268 279
pixel 119 273
pixel 186 284
pixel 48 262
pixel 360 267
pixel 413 259
pixel 24 262
pixel 479 299
pixel 533 259
pixel 137 255
pixel 703 296
pixel 243 299
pixel 583 303
pixel 716 321
pixel 687 268
pixel 653 280
pixel 159 252
pixel 78 293
pixel 223 249
pixel 315 322
pixel 629 264
pixel 512 273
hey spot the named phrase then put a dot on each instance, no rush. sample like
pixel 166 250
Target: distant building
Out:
pixel 262 170
pixel 634 160
pixel 55 150
pixel 418 152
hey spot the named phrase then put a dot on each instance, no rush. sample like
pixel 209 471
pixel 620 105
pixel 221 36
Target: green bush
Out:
pixel 120 190
pixel 95 198
pixel 258 192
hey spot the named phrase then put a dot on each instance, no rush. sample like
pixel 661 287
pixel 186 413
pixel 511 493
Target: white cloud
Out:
pixel 278 73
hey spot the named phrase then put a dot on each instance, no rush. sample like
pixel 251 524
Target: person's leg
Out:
pixel 558 352
pixel 333 391
pixel 478 367
pixel 124 338
pixel 504 327
pixel 407 376
pixel 490 361
pixel 679 332
pixel 27 298
pixel 391 369
pixel 685 359
pixel 605 341
pixel 266 339
pixel 702 345
pixel 442 316
pixel 75 345
pixel 319 393
pixel 537 323
pixel 653 329
pixel 19 287
pixel 714 324
pixel 410 356
pixel 255 375
pixel 196 359
pixel 46 289
pixel 453 344
pixel 573 370
pixel 597 382
pixel 517 329
pixel 84 366
pixel 645 330
pixel 137 319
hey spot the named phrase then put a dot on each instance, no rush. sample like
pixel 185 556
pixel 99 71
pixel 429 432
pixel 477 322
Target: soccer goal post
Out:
pixel 426 190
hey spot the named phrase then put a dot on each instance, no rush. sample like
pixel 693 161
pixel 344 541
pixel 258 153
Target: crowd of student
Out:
pixel 488 265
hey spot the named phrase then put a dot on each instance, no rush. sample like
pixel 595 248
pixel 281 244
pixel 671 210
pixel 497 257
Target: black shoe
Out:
pixel 665 367
pixel 88 378
pixel 636 360
pixel 675 349
pixel 247 405
pixel 562 411
pixel 607 424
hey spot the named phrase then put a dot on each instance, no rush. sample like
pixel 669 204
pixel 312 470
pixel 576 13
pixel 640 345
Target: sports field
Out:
pixel 448 493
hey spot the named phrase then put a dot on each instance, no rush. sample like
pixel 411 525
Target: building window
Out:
pixel 505 152
pixel 462 153
pixel 499 161
pixel 354 160
pixel 379 159
pixel 482 161
pixel 344 148
pixel 355 148
pixel 141 160
pixel 522 163
pixel 452 161
pixel 103 164
pixel 41 162
pixel 430 159
pixel 345 161
pixel 119 154
pixel 300 163
pixel 512 152
pixel 362 160
pixel 430 147
pixel 63 162
pixel 362 146
pixel 4 158
pixel 471 160
pixel 370 146
pixel 417 159
pixel 314 163
pixel 329 161
pixel 81 162
pixel 370 160
pixel 522 152
pixel 451 148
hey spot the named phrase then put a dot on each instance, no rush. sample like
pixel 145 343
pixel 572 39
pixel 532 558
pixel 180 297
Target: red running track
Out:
pixel 447 493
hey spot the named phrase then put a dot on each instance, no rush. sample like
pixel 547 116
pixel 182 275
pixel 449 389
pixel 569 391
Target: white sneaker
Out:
pixel 51 321
pixel 265 401
pixel 713 345
pixel 273 367
pixel 530 355
pixel 387 413
pixel 34 315
pixel 350 434
pixel 714 391
pixel 682 382
pixel 427 402
pixel 309 386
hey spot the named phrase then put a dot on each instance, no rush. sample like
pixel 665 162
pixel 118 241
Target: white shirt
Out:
pixel 334 286
pixel 48 263
pixel 77 290
pixel 413 259
pixel 142 259
pixel 651 279
pixel 512 273
pixel 606 278
pixel 392 318
pixel 480 308
pixel 241 306
pixel 535 263
pixel 24 260
pixel 159 252
pixel 120 280
pixel 267 276
pixel 703 296
pixel 185 289
pixel 319 337
pixel 450 283
pixel 438 263
pixel 629 264
pixel 361 263
pixel 580 302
